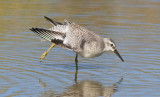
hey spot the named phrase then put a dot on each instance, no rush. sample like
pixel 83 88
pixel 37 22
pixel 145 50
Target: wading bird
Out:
pixel 73 37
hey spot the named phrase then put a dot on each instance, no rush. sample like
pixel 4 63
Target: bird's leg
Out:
pixel 76 62
pixel 46 52
pixel 76 73
pixel 76 58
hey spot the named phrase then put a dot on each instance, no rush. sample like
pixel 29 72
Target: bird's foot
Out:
pixel 46 52
pixel 43 56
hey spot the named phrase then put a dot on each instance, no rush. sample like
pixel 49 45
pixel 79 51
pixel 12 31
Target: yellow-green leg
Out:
pixel 46 52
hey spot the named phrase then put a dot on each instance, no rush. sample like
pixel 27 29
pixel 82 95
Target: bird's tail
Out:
pixel 48 34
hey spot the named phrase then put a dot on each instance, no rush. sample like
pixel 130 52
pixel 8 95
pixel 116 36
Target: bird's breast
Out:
pixel 90 51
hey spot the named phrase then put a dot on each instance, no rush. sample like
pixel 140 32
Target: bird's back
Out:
pixel 84 42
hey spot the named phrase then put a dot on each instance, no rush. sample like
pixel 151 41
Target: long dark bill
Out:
pixel 117 53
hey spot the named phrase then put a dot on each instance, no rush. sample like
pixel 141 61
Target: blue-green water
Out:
pixel 133 25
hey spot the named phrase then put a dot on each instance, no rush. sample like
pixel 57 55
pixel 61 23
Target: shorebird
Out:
pixel 74 37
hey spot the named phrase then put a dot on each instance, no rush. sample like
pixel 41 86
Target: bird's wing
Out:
pixel 54 23
pixel 57 26
pixel 77 36
pixel 48 34
pixel 53 36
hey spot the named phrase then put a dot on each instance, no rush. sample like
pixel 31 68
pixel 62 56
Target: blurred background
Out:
pixel 133 24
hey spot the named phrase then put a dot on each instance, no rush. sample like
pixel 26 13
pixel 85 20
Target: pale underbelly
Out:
pixel 90 54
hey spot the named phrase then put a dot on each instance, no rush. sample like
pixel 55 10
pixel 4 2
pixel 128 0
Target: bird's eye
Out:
pixel 111 45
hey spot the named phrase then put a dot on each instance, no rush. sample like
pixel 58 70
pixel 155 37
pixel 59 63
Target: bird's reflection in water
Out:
pixel 86 88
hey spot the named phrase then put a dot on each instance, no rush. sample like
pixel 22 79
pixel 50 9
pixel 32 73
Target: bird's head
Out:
pixel 111 46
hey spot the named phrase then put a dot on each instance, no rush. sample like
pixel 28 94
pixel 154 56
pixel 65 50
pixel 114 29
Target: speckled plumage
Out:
pixel 77 38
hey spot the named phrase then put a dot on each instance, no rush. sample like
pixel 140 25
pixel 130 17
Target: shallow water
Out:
pixel 132 24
